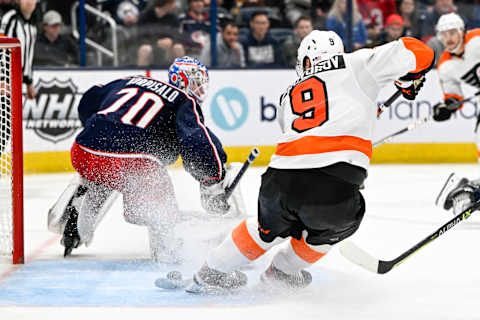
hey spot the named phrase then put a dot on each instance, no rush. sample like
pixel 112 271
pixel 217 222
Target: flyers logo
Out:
pixel 472 77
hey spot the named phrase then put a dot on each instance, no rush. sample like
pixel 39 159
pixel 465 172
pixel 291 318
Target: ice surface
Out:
pixel 114 277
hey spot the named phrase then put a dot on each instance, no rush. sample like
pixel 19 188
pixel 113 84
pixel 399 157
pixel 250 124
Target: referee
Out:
pixel 17 23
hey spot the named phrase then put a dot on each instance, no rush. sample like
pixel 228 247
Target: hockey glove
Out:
pixel 212 198
pixel 410 85
pixel 443 111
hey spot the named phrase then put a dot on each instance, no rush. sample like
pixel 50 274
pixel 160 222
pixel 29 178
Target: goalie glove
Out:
pixel 213 198
pixel 443 111
pixel 410 85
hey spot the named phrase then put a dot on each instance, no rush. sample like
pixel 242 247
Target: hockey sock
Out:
pixel 241 246
pixel 295 255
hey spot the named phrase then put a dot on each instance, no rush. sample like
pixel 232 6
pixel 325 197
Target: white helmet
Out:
pixel 450 21
pixel 318 45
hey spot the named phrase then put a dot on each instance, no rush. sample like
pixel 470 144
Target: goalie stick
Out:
pixel 360 257
pixel 423 121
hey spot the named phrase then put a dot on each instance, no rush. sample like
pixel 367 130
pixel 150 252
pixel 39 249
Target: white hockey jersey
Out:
pixel 328 115
pixel 453 69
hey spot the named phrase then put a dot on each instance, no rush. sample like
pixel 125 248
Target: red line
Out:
pixel 31 257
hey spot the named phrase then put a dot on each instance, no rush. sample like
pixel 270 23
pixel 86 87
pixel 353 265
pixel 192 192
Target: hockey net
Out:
pixel 11 157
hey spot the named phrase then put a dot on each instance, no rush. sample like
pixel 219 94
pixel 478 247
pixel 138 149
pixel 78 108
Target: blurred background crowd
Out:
pixel 249 33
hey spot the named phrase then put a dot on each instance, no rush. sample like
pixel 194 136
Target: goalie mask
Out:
pixel 190 75
pixel 317 46
pixel 447 23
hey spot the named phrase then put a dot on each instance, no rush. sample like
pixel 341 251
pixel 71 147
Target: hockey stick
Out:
pixel 408 128
pixel 420 122
pixel 360 257
pixel 254 153
pixel 388 103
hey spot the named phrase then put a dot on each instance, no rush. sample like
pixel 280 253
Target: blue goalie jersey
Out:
pixel 140 116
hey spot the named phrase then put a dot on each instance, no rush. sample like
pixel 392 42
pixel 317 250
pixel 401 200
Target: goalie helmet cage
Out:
pixel 11 147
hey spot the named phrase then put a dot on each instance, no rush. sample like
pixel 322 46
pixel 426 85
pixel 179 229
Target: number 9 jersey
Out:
pixel 328 115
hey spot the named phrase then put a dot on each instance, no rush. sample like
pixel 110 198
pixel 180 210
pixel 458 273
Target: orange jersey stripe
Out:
pixel 245 243
pixel 316 144
pixel 472 33
pixel 424 55
pixel 305 252
pixel 444 57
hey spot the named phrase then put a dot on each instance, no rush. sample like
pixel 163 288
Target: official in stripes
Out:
pixel 17 23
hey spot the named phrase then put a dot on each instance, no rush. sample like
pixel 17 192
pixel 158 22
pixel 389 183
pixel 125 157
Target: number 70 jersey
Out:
pixel 328 115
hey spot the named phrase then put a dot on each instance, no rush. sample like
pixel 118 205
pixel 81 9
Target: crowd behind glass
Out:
pixel 251 33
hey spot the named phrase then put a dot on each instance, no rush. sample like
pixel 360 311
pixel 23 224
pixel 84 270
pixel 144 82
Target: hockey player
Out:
pixel 309 196
pixel 459 63
pixel 133 128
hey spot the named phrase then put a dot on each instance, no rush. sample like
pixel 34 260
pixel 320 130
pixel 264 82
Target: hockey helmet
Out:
pixel 318 45
pixel 190 75
pixel 450 21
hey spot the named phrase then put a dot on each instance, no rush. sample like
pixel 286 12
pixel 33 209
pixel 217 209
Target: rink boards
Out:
pixel 241 110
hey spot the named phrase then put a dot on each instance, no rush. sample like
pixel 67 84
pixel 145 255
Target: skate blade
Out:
pixel 195 288
pixel 168 284
pixel 442 195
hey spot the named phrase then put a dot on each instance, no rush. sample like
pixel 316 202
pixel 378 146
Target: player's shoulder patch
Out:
pixel 472 34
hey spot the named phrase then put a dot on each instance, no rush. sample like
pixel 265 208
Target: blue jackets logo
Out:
pixel 229 108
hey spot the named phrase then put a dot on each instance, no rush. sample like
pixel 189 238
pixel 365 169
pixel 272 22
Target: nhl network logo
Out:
pixel 53 114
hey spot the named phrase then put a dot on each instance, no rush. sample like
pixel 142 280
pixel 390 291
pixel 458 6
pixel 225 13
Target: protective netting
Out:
pixel 6 212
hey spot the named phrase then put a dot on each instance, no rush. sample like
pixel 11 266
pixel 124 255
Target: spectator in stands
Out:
pixel 229 50
pixel 303 26
pixel 52 48
pixel 261 49
pixel 19 23
pixel 294 9
pixel 430 18
pixel 336 22
pixel 158 34
pixel 244 9
pixel 196 22
pixel 320 9
pixel 411 18
pixel 125 12
pixel 470 10
pixel 374 14
pixel 6 5
pixel 394 29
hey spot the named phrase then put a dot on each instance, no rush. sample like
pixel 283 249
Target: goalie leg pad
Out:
pixel 92 209
pixel 58 213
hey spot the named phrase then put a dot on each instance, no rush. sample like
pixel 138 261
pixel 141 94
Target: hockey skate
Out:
pixel 276 277
pixel 457 193
pixel 211 281
pixel 71 238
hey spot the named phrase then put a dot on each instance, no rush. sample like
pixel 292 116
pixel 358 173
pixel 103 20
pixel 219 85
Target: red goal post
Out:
pixel 11 158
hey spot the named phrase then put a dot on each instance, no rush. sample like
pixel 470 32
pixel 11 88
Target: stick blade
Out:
pixel 358 256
